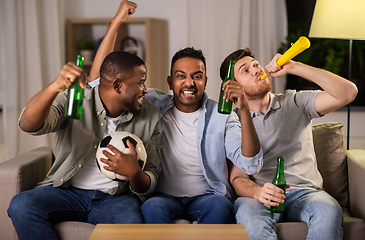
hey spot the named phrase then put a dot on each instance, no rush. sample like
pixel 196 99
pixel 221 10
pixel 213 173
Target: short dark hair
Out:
pixel 235 56
pixel 117 62
pixel 188 52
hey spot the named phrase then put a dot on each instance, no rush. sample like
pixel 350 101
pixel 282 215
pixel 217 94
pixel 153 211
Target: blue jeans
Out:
pixel 206 208
pixel 33 212
pixel 318 209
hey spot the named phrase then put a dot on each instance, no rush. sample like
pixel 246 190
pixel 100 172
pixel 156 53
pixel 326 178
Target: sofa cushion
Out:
pixel 73 230
pixel 331 158
pixel 353 228
pixel 291 230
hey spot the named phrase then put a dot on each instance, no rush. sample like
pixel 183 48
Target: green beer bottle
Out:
pixel 224 106
pixel 279 181
pixel 75 96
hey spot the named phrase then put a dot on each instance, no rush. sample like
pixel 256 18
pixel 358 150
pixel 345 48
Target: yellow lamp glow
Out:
pixel 343 19
pixel 340 19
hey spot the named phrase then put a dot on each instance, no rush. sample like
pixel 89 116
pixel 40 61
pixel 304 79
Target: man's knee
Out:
pixel 330 211
pixel 131 216
pixel 221 206
pixel 259 223
pixel 21 204
pixel 219 201
pixel 151 205
pixel 326 217
pixel 244 205
pixel 326 206
pixel 117 209
pixel 159 209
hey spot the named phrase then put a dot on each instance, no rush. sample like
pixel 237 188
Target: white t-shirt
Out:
pixel 89 176
pixel 181 174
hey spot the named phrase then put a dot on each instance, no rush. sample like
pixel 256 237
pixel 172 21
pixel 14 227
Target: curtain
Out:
pixel 32 45
pixel 31 55
pixel 219 27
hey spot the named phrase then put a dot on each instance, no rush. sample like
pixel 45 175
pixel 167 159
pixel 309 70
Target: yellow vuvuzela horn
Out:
pixel 299 46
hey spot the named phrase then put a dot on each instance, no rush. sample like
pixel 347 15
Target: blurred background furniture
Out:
pixel 343 175
pixel 151 34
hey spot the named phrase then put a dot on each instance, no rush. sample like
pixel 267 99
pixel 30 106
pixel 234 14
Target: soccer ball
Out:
pixel 119 141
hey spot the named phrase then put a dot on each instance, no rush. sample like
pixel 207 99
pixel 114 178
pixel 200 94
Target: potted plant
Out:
pixel 86 47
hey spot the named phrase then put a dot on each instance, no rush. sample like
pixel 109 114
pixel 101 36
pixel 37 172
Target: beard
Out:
pixel 130 104
pixel 133 109
pixel 258 92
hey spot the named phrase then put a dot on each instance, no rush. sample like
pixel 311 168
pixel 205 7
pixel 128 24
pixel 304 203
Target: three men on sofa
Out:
pixel 194 133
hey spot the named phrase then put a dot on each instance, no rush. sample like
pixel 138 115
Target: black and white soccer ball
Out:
pixel 119 141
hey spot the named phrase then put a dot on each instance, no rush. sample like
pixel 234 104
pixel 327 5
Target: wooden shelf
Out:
pixel 150 31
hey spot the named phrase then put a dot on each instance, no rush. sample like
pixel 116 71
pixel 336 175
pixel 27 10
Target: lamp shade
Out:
pixel 343 19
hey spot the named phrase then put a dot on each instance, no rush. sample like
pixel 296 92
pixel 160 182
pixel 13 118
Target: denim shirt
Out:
pixel 218 138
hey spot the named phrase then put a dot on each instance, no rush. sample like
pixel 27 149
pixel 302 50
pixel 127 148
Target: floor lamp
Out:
pixel 340 19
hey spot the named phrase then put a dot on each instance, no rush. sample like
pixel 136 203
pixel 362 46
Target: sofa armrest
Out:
pixel 356 178
pixel 19 174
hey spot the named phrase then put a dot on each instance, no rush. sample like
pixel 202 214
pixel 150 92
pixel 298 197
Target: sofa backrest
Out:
pixel 328 142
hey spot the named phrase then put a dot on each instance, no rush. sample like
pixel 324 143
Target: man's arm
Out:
pixel 126 8
pixel 268 194
pixel 127 165
pixel 141 181
pixel 336 93
pixel 38 107
pixel 250 145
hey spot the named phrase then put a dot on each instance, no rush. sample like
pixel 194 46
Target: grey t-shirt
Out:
pixel 285 130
